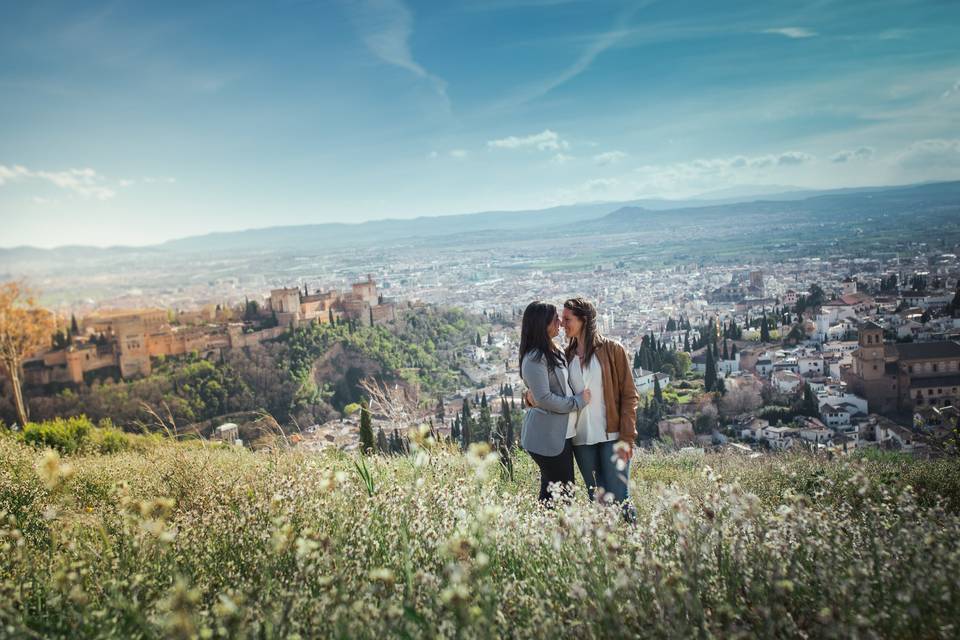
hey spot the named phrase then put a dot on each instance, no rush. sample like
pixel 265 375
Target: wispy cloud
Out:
pixel 86 183
pixel 546 140
pixel 386 26
pixel 954 90
pixel 792 32
pixel 860 153
pixel 609 157
pixel 561 158
pixel 683 179
pixel 456 154
pixel 593 49
pixel 941 153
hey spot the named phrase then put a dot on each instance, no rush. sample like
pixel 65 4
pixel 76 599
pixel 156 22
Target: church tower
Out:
pixel 869 358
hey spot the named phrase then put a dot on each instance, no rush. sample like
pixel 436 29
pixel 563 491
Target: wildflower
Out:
pixel 382 574
pixel 52 471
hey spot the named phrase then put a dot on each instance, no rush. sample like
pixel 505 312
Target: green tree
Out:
pixel 710 375
pixel 366 429
pixel 441 412
pixel 657 391
pixel 466 424
pixel 484 422
pixel 809 405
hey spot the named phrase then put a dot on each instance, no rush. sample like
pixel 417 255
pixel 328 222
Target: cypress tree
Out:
pixel 382 445
pixel 808 405
pixel 657 391
pixel 74 329
pixel 686 341
pixel 710 376
pixel 466 423
pixel 726 354
pixel 484 422
pixel 441 411
pixel 508 423
pixel 366 429
pixel 764 329
pixel 455 429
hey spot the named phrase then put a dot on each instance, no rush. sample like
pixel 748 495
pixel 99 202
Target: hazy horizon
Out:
pixel 128 124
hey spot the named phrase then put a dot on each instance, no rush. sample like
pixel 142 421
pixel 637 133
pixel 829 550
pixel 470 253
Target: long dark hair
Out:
pixel 585 311
pixel 533 333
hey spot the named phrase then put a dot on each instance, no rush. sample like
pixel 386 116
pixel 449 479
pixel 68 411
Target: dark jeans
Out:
pixel 556 469
pixel 598 467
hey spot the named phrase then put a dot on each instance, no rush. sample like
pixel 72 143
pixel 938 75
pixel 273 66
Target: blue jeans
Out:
pixel 598 467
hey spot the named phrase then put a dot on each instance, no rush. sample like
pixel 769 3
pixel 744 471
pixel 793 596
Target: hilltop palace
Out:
pixel 122 343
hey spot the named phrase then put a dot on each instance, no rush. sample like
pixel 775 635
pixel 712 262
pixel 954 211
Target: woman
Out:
pixel 605 431
pixel 547 431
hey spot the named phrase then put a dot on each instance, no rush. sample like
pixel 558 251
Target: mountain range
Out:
pixel 794 203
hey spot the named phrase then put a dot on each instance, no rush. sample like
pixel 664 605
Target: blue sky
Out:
pixel 136 122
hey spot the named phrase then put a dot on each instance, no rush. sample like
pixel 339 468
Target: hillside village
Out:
pixel 865 355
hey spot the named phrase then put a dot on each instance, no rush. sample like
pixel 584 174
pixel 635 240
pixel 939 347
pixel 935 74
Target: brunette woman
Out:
pixel 547 433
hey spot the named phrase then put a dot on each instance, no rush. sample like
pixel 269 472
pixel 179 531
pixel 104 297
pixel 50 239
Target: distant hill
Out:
pixel 845 203
pixel 301 238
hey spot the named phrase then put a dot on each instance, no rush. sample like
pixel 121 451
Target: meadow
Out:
pixel 192 540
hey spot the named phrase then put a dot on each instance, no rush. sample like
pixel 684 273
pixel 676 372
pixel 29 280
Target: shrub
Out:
pixel 80 435
pixel 66 435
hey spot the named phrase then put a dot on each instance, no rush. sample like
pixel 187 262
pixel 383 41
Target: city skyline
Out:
pixel 128 124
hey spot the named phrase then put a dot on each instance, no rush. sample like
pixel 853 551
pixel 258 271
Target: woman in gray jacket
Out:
pixel 547 433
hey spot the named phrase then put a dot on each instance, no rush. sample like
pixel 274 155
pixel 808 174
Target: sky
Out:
pixel 136 122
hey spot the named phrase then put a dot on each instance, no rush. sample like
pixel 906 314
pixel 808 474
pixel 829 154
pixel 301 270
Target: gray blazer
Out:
pixel 544 428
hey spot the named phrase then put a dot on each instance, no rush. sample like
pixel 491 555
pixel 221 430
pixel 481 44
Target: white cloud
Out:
pixel 955 89
pixel 561 158
pixel 793 158
pixel 860 153
pixel 456 154
pixel 792 32
pixel 86 183
pixel 600 184
pixel 936 153
pixel 385 27
pixel 546 140
pixel 609 157
pixel 683 179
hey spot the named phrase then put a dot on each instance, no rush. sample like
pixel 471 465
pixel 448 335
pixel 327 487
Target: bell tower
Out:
pixel 869 357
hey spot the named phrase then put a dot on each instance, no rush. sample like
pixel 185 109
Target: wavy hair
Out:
pixel 533 333
pixel 585 311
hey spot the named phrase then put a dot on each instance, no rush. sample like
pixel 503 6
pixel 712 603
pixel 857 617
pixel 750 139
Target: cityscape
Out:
pixel 479 319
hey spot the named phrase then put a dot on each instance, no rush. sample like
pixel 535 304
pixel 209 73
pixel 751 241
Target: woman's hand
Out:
pixel 532 402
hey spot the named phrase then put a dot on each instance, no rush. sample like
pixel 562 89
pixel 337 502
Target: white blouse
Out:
pixel 591 427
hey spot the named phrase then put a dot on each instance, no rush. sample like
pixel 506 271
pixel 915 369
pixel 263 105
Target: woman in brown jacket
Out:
pixel 606 428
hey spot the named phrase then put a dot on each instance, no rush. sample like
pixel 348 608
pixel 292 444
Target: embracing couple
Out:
pixel 582 403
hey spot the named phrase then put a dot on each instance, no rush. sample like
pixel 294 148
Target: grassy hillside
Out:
pixel 182 540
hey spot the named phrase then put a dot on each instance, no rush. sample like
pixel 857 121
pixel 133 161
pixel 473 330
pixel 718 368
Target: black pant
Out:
pixel 553 469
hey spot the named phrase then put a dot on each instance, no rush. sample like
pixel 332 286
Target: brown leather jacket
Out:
pixel 619 392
